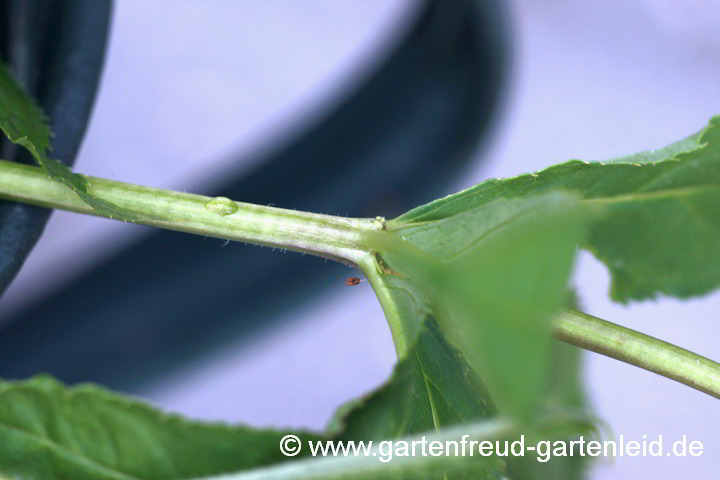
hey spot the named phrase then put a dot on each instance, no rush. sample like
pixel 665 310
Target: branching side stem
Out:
pixel 635 348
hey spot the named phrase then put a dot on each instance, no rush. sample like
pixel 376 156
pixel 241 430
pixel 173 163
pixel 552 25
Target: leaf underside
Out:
pixel 51 432
pixel 661 221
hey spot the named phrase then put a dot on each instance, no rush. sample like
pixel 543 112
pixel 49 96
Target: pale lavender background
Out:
pixel 591 80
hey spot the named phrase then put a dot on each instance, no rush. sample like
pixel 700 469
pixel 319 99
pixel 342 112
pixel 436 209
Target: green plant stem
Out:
pixel 328 236
pixel 337 238
pixel 635 348
pixel 341 239
pixel 398 328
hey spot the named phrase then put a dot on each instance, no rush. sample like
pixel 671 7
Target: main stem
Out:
pixel 328 236
pixel 340 239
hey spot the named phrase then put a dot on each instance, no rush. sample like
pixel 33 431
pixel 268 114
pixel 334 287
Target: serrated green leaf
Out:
pixel 461 256
pixel 662 214
pixel 51 432
pixel 20 118
pixel 24 123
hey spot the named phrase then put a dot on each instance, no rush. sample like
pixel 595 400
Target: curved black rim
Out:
pixel 394 142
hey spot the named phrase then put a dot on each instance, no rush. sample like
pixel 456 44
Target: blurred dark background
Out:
pixel 397 126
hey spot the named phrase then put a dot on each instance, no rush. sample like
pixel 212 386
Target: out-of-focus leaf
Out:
pixel 51 432
pixel 564 393
pixel 491 263
pixel 501 295
pixel 661 226
pixel 493 278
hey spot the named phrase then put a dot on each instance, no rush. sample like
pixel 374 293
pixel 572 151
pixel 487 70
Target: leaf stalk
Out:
pixel 638 349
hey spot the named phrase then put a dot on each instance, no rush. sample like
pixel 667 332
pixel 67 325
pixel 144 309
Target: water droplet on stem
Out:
pixel 221 206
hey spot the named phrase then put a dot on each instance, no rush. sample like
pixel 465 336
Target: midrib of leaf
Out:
pixel 640 195
pixel 680 193
pixel 654 195
pixel 430 384
pixel 433 405
pixel 488 232
pixel 431 400
pixel 497 188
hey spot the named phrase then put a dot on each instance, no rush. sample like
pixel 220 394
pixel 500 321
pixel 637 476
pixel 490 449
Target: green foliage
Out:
pixel 50 432
pixel 20 118
pixel 490 264
pixel 25 124
pixel 469 284
pixel 662 214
